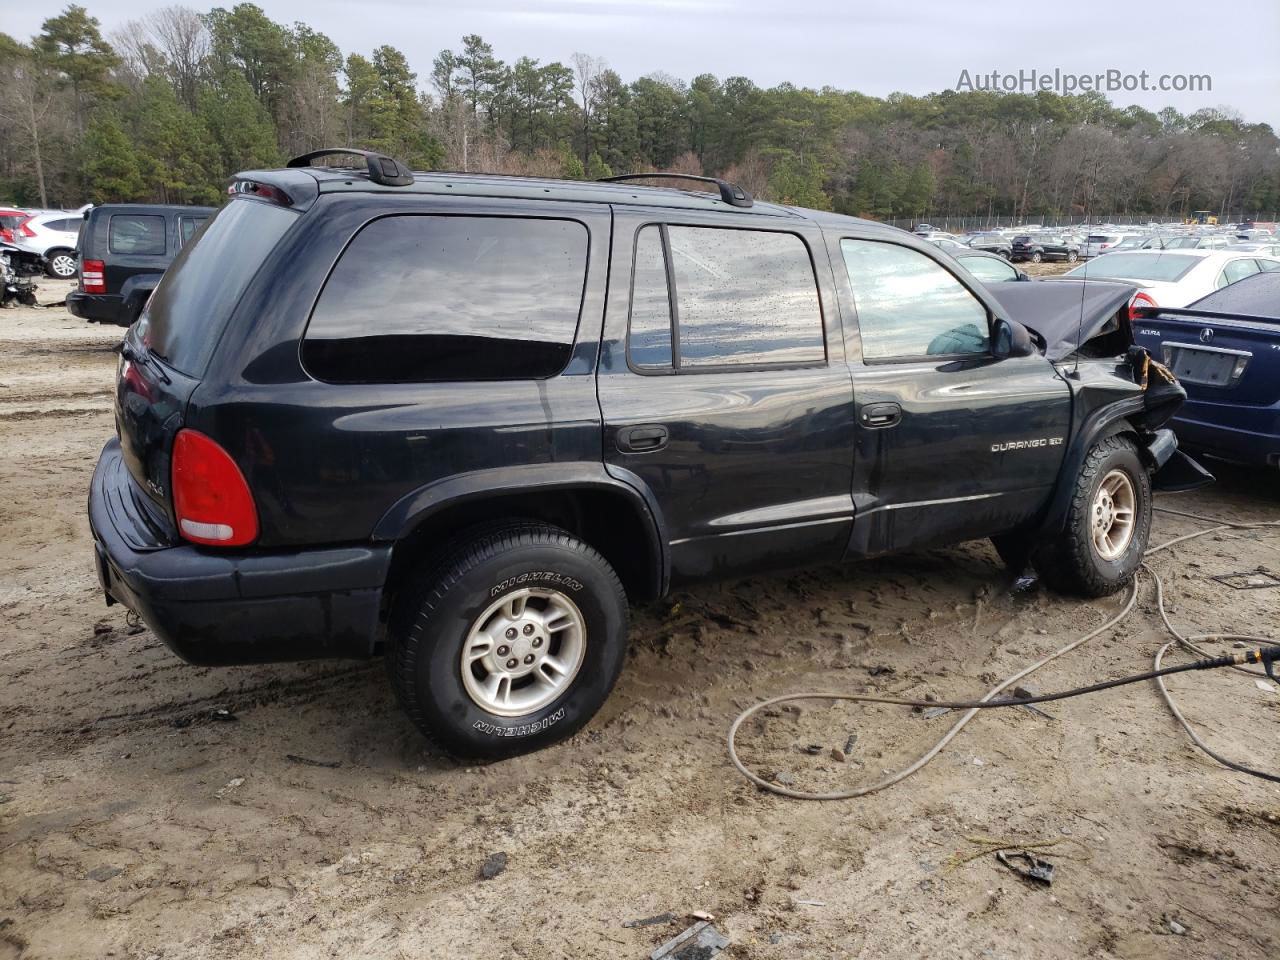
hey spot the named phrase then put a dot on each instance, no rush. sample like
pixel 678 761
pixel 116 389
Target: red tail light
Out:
pixel 210 496
pixel 92 276
pixel 6 234
pixel 1140 300
pixel 26 231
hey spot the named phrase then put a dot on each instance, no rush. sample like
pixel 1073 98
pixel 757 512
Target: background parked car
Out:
pixel 52 236
pixel 992 243
pixel 1225 351
pixel 1099 243
pixel 10 219
pixel 124 250
pixel 1173 278
pixel 1049 246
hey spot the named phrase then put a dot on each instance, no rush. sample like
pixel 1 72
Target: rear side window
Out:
pixel 430 298
pixel 136 234
pixel 186 227
pixel 742 298
pixel 62 226
pixel 909 306
pixel 990 271
pixel 1237 270
pixel 191 306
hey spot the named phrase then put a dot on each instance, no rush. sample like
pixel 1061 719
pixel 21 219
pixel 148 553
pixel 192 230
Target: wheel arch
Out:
pixel 1108 422
pixel 610 515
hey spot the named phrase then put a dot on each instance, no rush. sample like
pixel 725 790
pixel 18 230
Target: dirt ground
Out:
pixel 137 820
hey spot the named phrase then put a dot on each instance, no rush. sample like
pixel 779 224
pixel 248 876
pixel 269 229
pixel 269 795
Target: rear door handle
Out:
pixel 642 439
pixel 881 414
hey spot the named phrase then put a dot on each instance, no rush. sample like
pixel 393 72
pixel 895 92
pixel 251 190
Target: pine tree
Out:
pixel 180 163
pixel 240 127
pixel 109 163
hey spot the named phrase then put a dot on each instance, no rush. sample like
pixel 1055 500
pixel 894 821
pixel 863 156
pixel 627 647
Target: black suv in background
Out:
pixel 1044 247
pixel 123 250
pixel 466 420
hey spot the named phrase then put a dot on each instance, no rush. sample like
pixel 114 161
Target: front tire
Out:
pixel 1072 256
pixel 61 264
pixel 1108 523
pixel 511 641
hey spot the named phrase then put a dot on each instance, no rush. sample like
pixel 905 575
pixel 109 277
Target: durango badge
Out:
pixel 1026 444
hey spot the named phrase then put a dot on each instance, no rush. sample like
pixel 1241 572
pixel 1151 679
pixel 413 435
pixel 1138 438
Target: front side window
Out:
pixel 909 306
pixel 434 298
pixel 136 234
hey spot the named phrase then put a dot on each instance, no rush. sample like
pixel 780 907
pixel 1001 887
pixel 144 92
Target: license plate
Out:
pixel 1201 366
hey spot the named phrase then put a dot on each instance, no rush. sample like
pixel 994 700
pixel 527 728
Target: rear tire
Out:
pixel 61 264
pixel 1072 256
pixel 1108 523
pixel 510 641
pixel 1037 257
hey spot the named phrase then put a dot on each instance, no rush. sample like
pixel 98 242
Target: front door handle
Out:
pixel 645 438
pixel 881 415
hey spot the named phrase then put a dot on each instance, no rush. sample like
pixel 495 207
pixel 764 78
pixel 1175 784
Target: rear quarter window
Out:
pixel 419 298
pixel 189 310
pixel 134 234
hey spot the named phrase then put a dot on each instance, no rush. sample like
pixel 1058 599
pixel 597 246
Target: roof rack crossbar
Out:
pixel 382 169
pixel 730 193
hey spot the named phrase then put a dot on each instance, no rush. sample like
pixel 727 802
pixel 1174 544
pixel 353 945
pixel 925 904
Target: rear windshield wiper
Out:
pixel 146 357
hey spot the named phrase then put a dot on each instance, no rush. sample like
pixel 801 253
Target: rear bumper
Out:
pixel 227 608
pixel 97 307
pixel 1240 444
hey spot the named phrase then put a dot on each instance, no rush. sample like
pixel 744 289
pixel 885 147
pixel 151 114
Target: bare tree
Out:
pixel 26 102
pixel 587 69
pixel 180 34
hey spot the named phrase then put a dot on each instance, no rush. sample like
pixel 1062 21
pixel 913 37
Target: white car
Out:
pixel 1173 278
pixel 54 237
pixel 1099 243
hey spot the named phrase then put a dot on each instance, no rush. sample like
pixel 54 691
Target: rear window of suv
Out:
pixel 139 235
pixel 191 306
pixel 417 298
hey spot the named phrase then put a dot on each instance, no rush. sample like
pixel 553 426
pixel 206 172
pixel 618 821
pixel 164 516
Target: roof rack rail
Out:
pixel 730 193
pixel 382 169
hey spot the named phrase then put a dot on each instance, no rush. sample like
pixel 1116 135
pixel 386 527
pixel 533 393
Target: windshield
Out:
pixel 193 302
pixel 1136 266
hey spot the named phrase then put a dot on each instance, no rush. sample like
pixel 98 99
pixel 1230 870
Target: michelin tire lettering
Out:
pixel 520 730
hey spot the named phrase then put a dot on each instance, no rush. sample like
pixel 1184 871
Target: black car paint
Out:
pixel 761 468
pixel 129 278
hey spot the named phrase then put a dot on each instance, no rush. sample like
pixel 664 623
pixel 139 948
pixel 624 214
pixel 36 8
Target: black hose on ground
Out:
pixel 1266 655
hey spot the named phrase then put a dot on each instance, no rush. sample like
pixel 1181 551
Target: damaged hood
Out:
pixel 1065 312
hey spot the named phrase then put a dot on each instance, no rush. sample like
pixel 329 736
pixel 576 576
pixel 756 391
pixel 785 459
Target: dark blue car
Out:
pixel 1225 350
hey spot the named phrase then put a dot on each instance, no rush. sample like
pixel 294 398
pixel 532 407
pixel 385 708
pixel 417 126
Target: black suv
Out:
pixel 465 420
pixel 1047 247
pixel 123 250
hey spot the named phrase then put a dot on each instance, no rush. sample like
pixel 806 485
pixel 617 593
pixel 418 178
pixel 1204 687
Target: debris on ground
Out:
pixel 494 865
pixel 230 785
pixel 1177 929
pixel 103 874
pixel 308 762
pixel 811 903
pixel 702 941
pixel 1028 866
pixel 656 920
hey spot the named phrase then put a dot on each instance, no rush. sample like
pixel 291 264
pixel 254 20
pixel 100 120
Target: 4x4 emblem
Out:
pixel 1206 335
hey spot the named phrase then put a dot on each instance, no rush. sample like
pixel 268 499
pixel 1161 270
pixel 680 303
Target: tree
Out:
pixel 239 126
pixel 180 163
pixel 72 45
pixel 110 163
pixel 26 103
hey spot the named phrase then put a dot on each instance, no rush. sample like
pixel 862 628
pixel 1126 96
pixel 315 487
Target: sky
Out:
pixel 916 47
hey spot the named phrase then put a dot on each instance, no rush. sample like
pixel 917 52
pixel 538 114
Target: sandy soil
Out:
pixel 135 823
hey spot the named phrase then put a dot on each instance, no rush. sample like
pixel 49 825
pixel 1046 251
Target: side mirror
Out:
pixel 1022 275
pixel 1012 339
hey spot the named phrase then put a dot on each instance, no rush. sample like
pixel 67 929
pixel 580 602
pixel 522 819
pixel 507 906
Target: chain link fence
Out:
pixel 966 224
